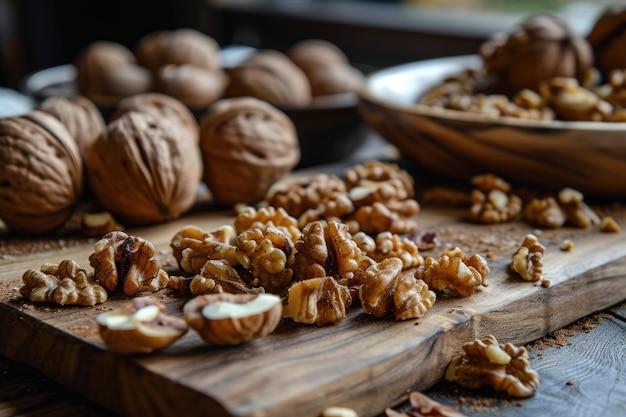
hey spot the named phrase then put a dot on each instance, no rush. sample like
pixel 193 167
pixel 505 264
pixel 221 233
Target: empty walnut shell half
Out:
pixel 144 170
pixel 232 319
pixel 246 145
pixel 41 173
pixel 139 326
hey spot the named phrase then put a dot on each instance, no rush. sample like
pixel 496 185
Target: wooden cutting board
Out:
pixel 363 362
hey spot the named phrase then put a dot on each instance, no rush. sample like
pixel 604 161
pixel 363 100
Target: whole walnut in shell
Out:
pixel 608 39
pixel 144 170
pixel 246 145
pixel 311 54
pixel 106 71
pixel 270 75
pixel 541 47
pixel 178 47
pixel 80 116
pixel 41 173
pixel 195 86
pixel 162 106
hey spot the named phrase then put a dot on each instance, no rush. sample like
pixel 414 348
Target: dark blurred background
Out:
pixel 37 34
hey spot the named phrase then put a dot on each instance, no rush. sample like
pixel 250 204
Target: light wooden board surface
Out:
pixel 362 362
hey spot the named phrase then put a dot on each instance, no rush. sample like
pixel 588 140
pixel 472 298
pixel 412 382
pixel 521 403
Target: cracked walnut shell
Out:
pixel 64 284
pixel 127 263
pixel 246 146
pixel 485 362
pixel 232 319
pixel 144 170
pixel 41 173
pixel 139 326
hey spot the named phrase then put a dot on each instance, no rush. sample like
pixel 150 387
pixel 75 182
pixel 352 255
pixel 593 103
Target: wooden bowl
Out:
pixel 550 155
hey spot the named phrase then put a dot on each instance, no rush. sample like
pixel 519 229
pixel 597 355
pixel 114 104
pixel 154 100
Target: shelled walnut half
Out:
pixel 66 283
pixel 232 319
pixel 192 247
pixel 127 263
pixel 139 326
pixel 455 272
pixel 526 262
pixel 485 362
pixel 317 301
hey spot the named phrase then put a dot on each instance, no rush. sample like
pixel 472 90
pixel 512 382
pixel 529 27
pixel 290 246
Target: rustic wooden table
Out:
pixel 582 369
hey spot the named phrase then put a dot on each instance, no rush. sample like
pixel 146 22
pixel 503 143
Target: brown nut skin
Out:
pixel 312 54
pixel 41 173
pixel 140 335
pixel 144 170
pixel 246 145
pixel 608 39
pixel 162 106
pixel 233 329
pixel 79 115
pixel 542 47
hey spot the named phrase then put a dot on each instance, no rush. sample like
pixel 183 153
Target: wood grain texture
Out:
pixel 362 362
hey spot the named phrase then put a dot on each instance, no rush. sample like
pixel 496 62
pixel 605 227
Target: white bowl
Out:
pixel 587 156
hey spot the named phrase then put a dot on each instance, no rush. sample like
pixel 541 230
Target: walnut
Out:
pixel 162 106
pixel 606 38
pixel 195 86
pixel 489 182
pixel 106 71
pixel 423 406
pixel 269 75
pixel 79 115
pixel 246 145
pixel 543 46
pixel 41 173
pixel 495 206
pixel 217 276
pixel 544 212
pixel 577 212
pixel 139 326
pixel 64 284
pixel 143 170
pixel 192 247
pixel 502 367
pixel 454 272
pixel 268 255
pixel 388 245
pixel 335 79
pixel 609 225
pixel 377 171
pixel 312 54
pixel 177 47
pixel 385 289
pixel 249 217
pixel 317 301
pixel 232 319
pixel 326 249
pixel 526 262
pixel 311 197
pixel 571 101
pixel 379 218
pixel 127 263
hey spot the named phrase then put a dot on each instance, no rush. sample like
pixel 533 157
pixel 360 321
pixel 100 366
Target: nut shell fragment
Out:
pixel 139 326
pixel 232 319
